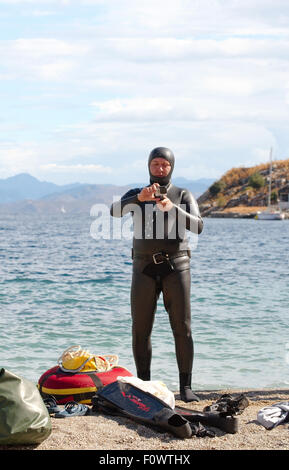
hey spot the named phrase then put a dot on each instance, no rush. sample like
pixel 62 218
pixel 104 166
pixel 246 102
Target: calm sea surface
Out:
pixel 59 287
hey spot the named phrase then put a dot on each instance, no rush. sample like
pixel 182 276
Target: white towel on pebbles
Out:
pixel 271 416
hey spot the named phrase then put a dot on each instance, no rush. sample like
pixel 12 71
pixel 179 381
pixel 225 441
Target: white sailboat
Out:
pixel 270 213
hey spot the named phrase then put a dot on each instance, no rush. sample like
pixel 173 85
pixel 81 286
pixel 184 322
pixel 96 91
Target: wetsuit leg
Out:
pixel 176 295
pixel 144 296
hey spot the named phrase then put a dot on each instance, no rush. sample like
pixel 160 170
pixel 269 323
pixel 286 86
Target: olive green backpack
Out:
pixel 24 418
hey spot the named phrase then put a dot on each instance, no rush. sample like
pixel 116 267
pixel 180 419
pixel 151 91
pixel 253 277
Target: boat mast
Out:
pixel 270 179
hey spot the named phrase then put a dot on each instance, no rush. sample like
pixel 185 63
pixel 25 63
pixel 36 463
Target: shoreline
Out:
pixel 237 212
pixel 100 432
pixel 234 215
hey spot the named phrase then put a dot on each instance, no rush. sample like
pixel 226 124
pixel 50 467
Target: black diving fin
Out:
pixel 124 399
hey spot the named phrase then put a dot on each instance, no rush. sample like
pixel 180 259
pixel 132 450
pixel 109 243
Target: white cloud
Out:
pixel 172 48
pixel 55 71
pixel 131 109
pixel 260 155
pixel 38 48
pixel 98 90
pixel 76 168
pixel 117 152
pixel 40 58
pixel 182 108
pixel 39 13
pixel 19 155
pixel 229 85
pixel 38 2
pixel 16 158
pixel 185 18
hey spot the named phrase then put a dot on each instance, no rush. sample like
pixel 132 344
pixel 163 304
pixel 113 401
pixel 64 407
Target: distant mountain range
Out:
pixel 25 193
pixel 25 186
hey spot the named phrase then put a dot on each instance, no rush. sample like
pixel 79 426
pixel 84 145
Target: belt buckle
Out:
pixel 155 260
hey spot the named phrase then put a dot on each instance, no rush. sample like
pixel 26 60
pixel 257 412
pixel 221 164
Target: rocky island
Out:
pixel 243 192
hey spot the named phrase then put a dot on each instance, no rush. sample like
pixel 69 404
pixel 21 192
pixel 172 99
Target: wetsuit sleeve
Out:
pixel 123 206
pixel 188 213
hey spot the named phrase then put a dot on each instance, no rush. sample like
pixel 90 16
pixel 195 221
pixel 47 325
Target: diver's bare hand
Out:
pixel 148 193
pixel 165 204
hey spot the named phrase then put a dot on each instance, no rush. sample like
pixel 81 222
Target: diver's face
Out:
pixel 160 167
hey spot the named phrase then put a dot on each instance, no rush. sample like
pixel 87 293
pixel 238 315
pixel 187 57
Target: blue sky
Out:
pixel 89 87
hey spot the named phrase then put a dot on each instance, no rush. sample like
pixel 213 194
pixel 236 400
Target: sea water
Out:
pixel 60 286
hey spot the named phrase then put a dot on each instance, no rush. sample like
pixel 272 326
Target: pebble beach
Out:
pixel 98 432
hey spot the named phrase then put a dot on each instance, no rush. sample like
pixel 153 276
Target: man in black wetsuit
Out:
pixel 161 262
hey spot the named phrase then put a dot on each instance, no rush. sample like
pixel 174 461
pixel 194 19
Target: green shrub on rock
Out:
pixel 217 187
pixel 256 181
pixel 221 201
pixel 274 196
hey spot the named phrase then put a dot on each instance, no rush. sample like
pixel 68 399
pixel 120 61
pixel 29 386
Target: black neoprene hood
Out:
pixel 167 154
